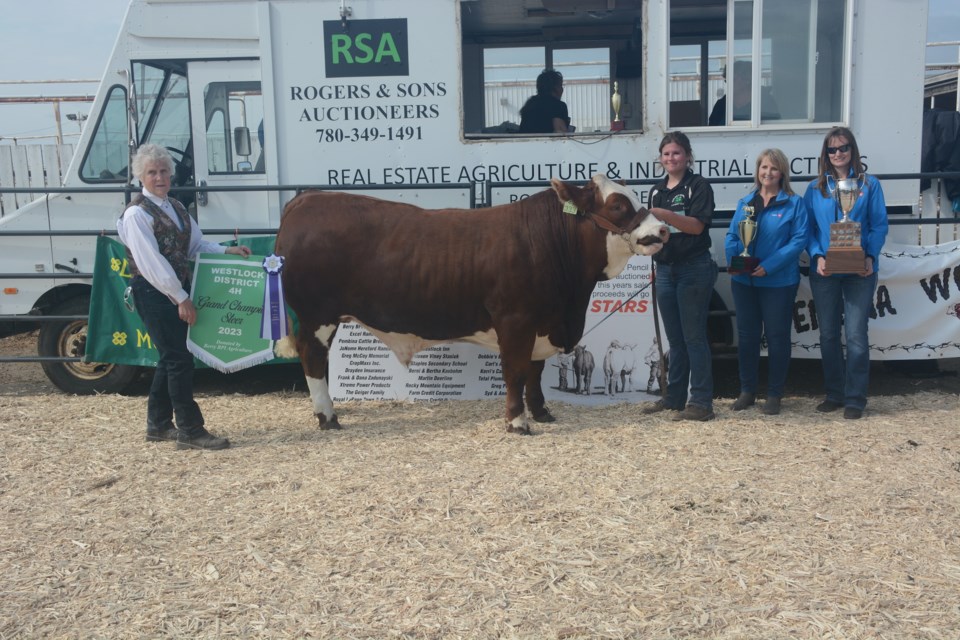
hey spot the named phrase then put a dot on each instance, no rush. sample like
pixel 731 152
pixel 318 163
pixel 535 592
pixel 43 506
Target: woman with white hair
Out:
pixel 161 239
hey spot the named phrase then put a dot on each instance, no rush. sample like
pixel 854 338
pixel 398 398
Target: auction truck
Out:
pixel 418 100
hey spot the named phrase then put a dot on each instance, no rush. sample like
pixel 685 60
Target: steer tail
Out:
pixel 286 347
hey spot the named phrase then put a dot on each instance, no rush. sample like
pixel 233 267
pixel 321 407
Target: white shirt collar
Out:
pixel 157 200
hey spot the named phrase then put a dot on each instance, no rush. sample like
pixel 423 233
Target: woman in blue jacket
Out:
pixel 764 296
pixel 844 299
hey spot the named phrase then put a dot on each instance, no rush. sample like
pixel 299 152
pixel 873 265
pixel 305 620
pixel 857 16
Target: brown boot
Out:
pixel 695 413
pixel 744 401
pixel 201 439
pixel 772 406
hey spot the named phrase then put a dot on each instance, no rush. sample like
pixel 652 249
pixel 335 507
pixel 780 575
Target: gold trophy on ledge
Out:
pixel 747 229
pixel 615 102
pixel 845 254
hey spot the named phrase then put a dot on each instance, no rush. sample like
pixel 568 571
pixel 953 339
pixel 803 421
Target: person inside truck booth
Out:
pixel 546 112
pixel 742 96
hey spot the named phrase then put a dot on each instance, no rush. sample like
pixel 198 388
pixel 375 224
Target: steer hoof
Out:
pixel 546 416
pixel 326 425
pixel 524 430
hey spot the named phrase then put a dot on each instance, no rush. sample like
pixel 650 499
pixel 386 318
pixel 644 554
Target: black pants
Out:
pixel 171 393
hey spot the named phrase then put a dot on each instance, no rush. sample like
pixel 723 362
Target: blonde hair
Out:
pixel 779 160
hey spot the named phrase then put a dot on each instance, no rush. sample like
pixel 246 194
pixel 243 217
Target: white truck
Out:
pixel 419 100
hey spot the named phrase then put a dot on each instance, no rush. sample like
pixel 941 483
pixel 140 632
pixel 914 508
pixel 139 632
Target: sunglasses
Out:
pixel 842 149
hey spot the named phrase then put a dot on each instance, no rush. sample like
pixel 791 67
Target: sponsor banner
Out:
pixel 228 292
pixel 916 310
pixel 616 361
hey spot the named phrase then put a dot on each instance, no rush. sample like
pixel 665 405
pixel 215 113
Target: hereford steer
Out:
pixel 514 278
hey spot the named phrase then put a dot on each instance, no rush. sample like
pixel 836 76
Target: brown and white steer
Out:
pixel 514 278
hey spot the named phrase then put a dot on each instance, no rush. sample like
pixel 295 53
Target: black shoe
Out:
pixel 772 406
pixel 745 400
pixel 829 405
pixel 852 413
pixel 694 412
pixel 201 439
pixel 168 434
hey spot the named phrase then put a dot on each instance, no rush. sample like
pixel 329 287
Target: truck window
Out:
pixel 591 44
pixel 231 109
pixel 107 156
pixel 796 61
pixel 510 78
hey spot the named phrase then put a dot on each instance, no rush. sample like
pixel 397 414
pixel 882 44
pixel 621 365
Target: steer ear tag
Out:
pixel 569 207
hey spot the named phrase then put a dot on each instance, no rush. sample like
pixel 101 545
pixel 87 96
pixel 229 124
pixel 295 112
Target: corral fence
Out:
pixel 935 210
pixel 30 166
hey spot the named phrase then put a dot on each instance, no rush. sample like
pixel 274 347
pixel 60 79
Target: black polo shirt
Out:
pixel 692 197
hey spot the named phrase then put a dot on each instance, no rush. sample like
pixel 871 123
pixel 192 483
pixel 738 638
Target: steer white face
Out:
pixel 649 227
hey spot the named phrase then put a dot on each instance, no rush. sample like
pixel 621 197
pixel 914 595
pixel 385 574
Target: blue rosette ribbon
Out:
pixel 274 323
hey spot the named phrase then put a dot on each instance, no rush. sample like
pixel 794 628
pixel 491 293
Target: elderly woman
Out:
pixel 161 238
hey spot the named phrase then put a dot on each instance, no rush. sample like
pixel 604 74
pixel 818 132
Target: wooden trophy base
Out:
pixel 618 125
pixel 743 264
pixel 845 260
pixel 845 254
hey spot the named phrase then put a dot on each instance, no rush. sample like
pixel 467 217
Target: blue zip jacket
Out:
pixel 782 230
pixel 870 211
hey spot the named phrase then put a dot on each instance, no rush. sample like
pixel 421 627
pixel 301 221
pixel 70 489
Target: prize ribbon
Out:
pixel 274 323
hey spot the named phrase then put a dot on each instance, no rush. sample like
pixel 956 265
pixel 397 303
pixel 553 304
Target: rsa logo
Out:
pixel 365 48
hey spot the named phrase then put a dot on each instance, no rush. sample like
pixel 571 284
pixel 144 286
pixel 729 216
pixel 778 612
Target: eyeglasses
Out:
pixel 841 149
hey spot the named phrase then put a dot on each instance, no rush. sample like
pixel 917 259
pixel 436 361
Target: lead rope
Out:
pixel 656 328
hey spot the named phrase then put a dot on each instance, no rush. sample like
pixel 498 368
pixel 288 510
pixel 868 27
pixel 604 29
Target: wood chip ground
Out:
pixel 428 520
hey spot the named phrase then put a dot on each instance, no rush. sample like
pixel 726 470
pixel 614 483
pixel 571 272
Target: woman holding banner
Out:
pixel 161 238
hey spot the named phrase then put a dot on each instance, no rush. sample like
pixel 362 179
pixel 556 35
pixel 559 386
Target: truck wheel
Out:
pixel 68 339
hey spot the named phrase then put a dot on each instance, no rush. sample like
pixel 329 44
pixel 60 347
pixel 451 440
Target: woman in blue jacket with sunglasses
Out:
pixel 844 299
pixel 764 294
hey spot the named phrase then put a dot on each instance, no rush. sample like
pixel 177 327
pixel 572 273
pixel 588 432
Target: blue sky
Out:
pixel 66 39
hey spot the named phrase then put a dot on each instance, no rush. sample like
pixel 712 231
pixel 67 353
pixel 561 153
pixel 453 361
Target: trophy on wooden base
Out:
pixel 747 228
pixel 615 102
pixel 845 254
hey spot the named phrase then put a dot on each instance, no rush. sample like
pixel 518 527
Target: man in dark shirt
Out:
pixel 742 89
pixel 546 112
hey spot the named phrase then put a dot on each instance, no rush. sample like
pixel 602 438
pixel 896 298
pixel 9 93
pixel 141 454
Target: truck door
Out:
pixel 226 112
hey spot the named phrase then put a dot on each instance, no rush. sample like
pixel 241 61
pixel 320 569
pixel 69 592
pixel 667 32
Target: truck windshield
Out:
pixel 161 112
pixel 107 156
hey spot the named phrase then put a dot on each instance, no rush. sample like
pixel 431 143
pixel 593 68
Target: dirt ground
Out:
pixel 428 520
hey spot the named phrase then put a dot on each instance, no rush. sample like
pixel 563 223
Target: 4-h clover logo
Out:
pixel 119 338
pixel 115 264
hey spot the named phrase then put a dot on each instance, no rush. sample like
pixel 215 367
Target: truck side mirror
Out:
pixel 241 141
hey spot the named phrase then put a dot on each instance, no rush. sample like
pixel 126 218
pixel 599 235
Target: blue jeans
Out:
pixel 683 297
pixel 172 390
pixel 844 300
pixel 764 311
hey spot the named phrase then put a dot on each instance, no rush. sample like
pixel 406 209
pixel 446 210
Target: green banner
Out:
pixel 115 332
pixel 228 294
